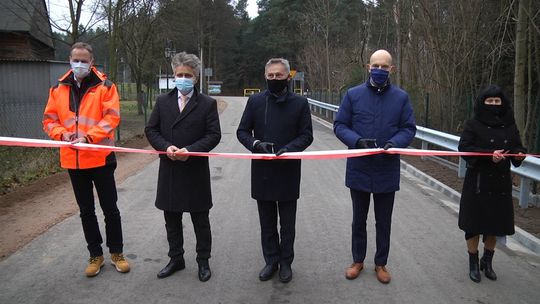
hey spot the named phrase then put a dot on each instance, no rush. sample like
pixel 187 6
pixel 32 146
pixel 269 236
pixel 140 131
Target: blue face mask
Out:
pixel 184 85
pixel 379 76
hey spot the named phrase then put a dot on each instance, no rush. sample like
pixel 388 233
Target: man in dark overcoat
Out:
pixel 276 121
pixel 374 114
pixel 184 120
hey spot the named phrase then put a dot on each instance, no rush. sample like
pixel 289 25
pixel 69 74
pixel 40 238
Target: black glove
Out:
pixel 388 145
pixel 264 147
pixel 366 143
pixel 281 151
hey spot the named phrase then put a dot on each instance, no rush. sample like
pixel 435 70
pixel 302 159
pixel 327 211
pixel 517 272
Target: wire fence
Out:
pixel 24 90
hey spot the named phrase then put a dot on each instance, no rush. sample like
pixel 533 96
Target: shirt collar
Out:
pixel 76 81
pixel 188 95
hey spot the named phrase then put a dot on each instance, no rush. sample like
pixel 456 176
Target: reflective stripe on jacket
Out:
pixel 94 116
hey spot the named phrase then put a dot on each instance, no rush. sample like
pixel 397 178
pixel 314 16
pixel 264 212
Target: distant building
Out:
pixel 25 30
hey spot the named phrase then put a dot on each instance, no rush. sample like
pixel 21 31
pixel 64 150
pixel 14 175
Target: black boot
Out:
pixel 474 269
pixel 485 264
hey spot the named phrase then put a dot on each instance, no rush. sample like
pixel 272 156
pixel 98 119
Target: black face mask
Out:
pixel 277 86
pixel 495 110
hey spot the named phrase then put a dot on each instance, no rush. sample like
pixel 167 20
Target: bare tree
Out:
pixel 113 12
pixel 520 73
pixel 319 16
pixel 137 38
pixel 72 24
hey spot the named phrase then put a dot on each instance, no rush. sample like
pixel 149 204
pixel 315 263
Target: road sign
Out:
pixel 292 73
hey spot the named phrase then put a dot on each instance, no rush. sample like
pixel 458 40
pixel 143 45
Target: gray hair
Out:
pixel 186 59
pixel 82 45
pixel 283 61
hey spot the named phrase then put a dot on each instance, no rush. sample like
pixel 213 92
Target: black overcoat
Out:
pixel 184 186
pixel 286 122
pixel 486 199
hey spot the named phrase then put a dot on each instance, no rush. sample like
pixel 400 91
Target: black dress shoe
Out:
pixel 267 272
pixel 204 273
pixel 172 267
pixel 285 273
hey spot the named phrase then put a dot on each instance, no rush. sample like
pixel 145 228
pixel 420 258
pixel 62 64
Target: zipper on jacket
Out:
pixel 77 104
pixel 265 115
pixel 77 107
pixel 265 112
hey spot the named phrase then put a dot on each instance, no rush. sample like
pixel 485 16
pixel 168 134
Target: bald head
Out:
pixel 381 56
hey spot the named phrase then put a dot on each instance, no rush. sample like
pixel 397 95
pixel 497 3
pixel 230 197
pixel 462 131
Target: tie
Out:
pixel 183 102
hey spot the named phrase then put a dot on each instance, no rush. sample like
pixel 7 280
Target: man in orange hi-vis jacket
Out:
pixel 84 107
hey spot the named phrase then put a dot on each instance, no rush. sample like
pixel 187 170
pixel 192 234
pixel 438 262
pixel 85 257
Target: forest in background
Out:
pixel 445 51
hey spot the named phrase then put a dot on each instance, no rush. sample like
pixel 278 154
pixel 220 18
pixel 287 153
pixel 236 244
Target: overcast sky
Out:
pixel 60 13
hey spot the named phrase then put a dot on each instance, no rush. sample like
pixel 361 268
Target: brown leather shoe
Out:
pixel 354 270
pixel 382 274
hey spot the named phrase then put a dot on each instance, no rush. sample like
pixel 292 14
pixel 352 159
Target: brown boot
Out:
pixel 94 266
pixel 382 274
pixel 120 262
pixel 354 270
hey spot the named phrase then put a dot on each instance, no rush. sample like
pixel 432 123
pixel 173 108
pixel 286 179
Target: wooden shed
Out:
pixel 25 30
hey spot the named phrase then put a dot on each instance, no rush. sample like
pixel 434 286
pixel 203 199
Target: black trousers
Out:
pixel 175 235
pixel 383 205
pixel 274 250
pixel 83 182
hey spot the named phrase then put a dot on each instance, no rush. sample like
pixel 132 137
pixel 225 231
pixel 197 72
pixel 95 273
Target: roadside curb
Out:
pixel 521 236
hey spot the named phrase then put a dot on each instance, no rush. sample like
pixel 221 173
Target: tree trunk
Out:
pixel 75 18
pixel 326 38
pixel 536 135
pixel 529 111
pixel 113 20
pixel 520 72
pixel 140 97
pixel 397 15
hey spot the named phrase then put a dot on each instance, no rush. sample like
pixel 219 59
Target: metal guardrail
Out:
pixel 323 105
pixel 441 139
pixel 528 171
pixel 324 109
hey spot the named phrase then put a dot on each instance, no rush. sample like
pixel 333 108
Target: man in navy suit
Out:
pixel 374 114
pixel 185 120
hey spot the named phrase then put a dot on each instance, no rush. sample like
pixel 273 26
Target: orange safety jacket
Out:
pixel 93 115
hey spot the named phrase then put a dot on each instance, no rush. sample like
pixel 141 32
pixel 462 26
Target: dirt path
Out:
pixel 29 211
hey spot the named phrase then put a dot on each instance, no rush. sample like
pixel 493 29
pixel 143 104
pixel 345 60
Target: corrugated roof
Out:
pixel 26 16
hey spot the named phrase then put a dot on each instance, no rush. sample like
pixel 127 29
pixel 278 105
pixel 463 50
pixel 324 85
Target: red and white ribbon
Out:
pixel 330 154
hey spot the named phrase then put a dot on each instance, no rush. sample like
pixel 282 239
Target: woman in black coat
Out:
pixel 486 200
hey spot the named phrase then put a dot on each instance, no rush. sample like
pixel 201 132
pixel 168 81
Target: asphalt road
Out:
pixel 428 258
